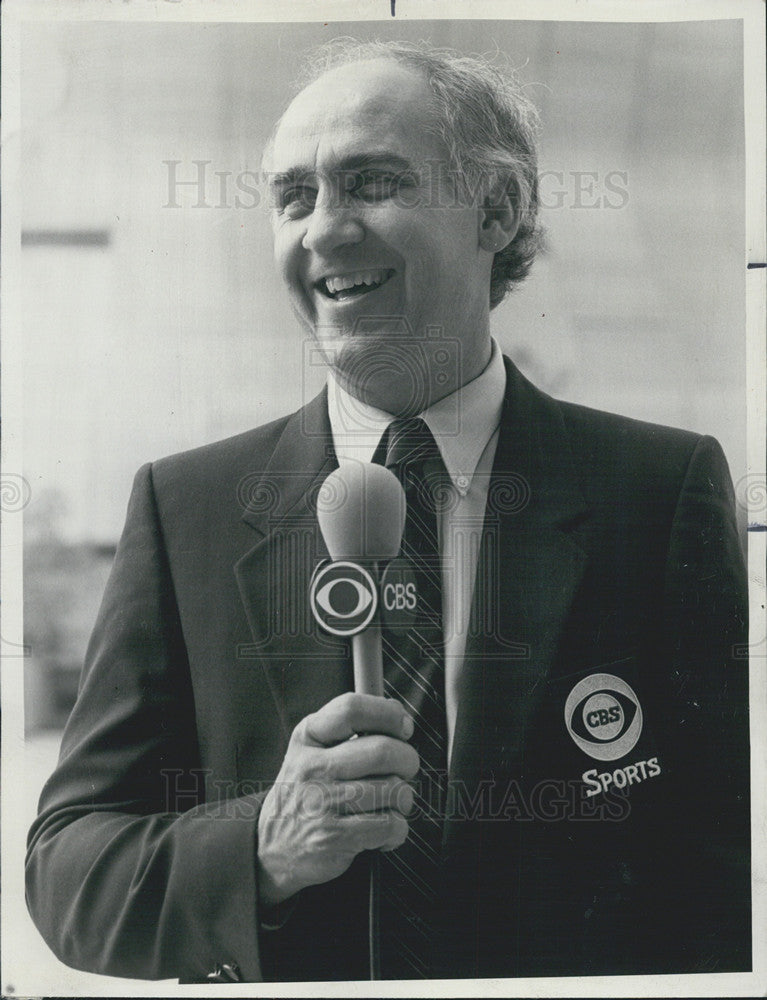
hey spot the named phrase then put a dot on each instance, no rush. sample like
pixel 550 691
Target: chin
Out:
pixel 384 371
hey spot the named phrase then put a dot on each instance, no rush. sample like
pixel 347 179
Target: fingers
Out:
pixel 375 795
pixel 371 756
pixel 349 714
pixel 319 798
pixel 371 831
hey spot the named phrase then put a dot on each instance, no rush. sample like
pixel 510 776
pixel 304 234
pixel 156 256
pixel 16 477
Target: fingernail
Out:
pixel 408 726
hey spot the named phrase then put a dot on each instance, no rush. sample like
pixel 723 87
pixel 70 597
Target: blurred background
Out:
pixel 153 320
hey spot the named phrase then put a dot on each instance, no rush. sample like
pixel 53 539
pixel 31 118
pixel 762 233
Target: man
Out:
pixel 221 793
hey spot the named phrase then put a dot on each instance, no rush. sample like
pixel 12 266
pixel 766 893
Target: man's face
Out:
pixel 380 258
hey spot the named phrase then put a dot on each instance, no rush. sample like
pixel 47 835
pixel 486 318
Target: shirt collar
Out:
pixel 462 423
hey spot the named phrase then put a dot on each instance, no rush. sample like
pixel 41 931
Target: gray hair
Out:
pixel 487 124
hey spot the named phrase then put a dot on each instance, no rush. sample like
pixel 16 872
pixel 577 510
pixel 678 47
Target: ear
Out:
pixel 498 220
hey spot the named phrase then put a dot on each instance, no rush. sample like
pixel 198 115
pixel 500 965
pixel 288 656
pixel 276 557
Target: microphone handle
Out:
pixel 368 660
pixel 367 656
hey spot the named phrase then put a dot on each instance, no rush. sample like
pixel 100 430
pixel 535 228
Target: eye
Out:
pixel 297 200
pixel 377 185
pixel 343 598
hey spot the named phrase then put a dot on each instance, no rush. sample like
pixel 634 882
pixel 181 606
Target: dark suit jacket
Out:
pixel 609 547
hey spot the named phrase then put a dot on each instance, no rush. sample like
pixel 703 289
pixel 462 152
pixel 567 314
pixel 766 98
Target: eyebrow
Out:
pixel 357 161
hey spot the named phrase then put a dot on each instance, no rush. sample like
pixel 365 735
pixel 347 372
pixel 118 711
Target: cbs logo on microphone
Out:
pixel 344 596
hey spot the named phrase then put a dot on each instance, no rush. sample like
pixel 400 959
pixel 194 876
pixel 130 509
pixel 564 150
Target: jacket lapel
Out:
pixel 529 569
pixel 305 668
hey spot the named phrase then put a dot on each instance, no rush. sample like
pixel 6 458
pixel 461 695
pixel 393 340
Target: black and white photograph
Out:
pixel 383 499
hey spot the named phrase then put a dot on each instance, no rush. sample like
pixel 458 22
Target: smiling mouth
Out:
pixel 349 286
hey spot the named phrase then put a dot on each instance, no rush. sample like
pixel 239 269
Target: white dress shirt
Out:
pixel 465 428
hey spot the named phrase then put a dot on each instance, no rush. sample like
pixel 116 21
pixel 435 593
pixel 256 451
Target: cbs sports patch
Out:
pixel 604 719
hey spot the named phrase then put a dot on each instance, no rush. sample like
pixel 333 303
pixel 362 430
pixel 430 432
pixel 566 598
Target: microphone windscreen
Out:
pixel 361 511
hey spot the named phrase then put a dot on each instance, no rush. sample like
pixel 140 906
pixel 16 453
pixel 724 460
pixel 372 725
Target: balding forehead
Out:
pixel 370 87
pixel 376 103
pixel 389 75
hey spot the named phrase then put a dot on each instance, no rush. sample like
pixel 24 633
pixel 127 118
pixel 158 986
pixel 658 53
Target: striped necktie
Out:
pixel 414 673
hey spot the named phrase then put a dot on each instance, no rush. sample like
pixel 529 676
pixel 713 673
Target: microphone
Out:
pixel 361 512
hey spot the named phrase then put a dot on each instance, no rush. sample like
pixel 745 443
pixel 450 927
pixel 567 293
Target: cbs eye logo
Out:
pixel 603 716
pixel 343 597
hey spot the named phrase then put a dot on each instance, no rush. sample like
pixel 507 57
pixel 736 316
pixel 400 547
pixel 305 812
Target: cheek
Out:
pixel 281 259
pixel 436 241
pixel 286 247
pixel 288 257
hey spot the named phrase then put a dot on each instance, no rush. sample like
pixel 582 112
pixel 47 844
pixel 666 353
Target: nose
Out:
pixel 332 223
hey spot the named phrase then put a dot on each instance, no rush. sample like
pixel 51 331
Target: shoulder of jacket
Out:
pixel 220 460
pixel 611 450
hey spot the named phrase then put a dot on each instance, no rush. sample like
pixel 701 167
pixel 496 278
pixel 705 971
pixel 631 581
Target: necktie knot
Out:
pixel 407 443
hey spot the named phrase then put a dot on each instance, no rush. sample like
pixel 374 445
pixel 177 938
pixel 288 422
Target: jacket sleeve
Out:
pixel 129 872
pixel 706 627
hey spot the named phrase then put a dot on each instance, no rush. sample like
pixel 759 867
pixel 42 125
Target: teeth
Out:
pixel 342 282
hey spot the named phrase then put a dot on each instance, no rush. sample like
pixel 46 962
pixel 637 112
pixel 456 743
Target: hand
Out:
pixel 336 796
